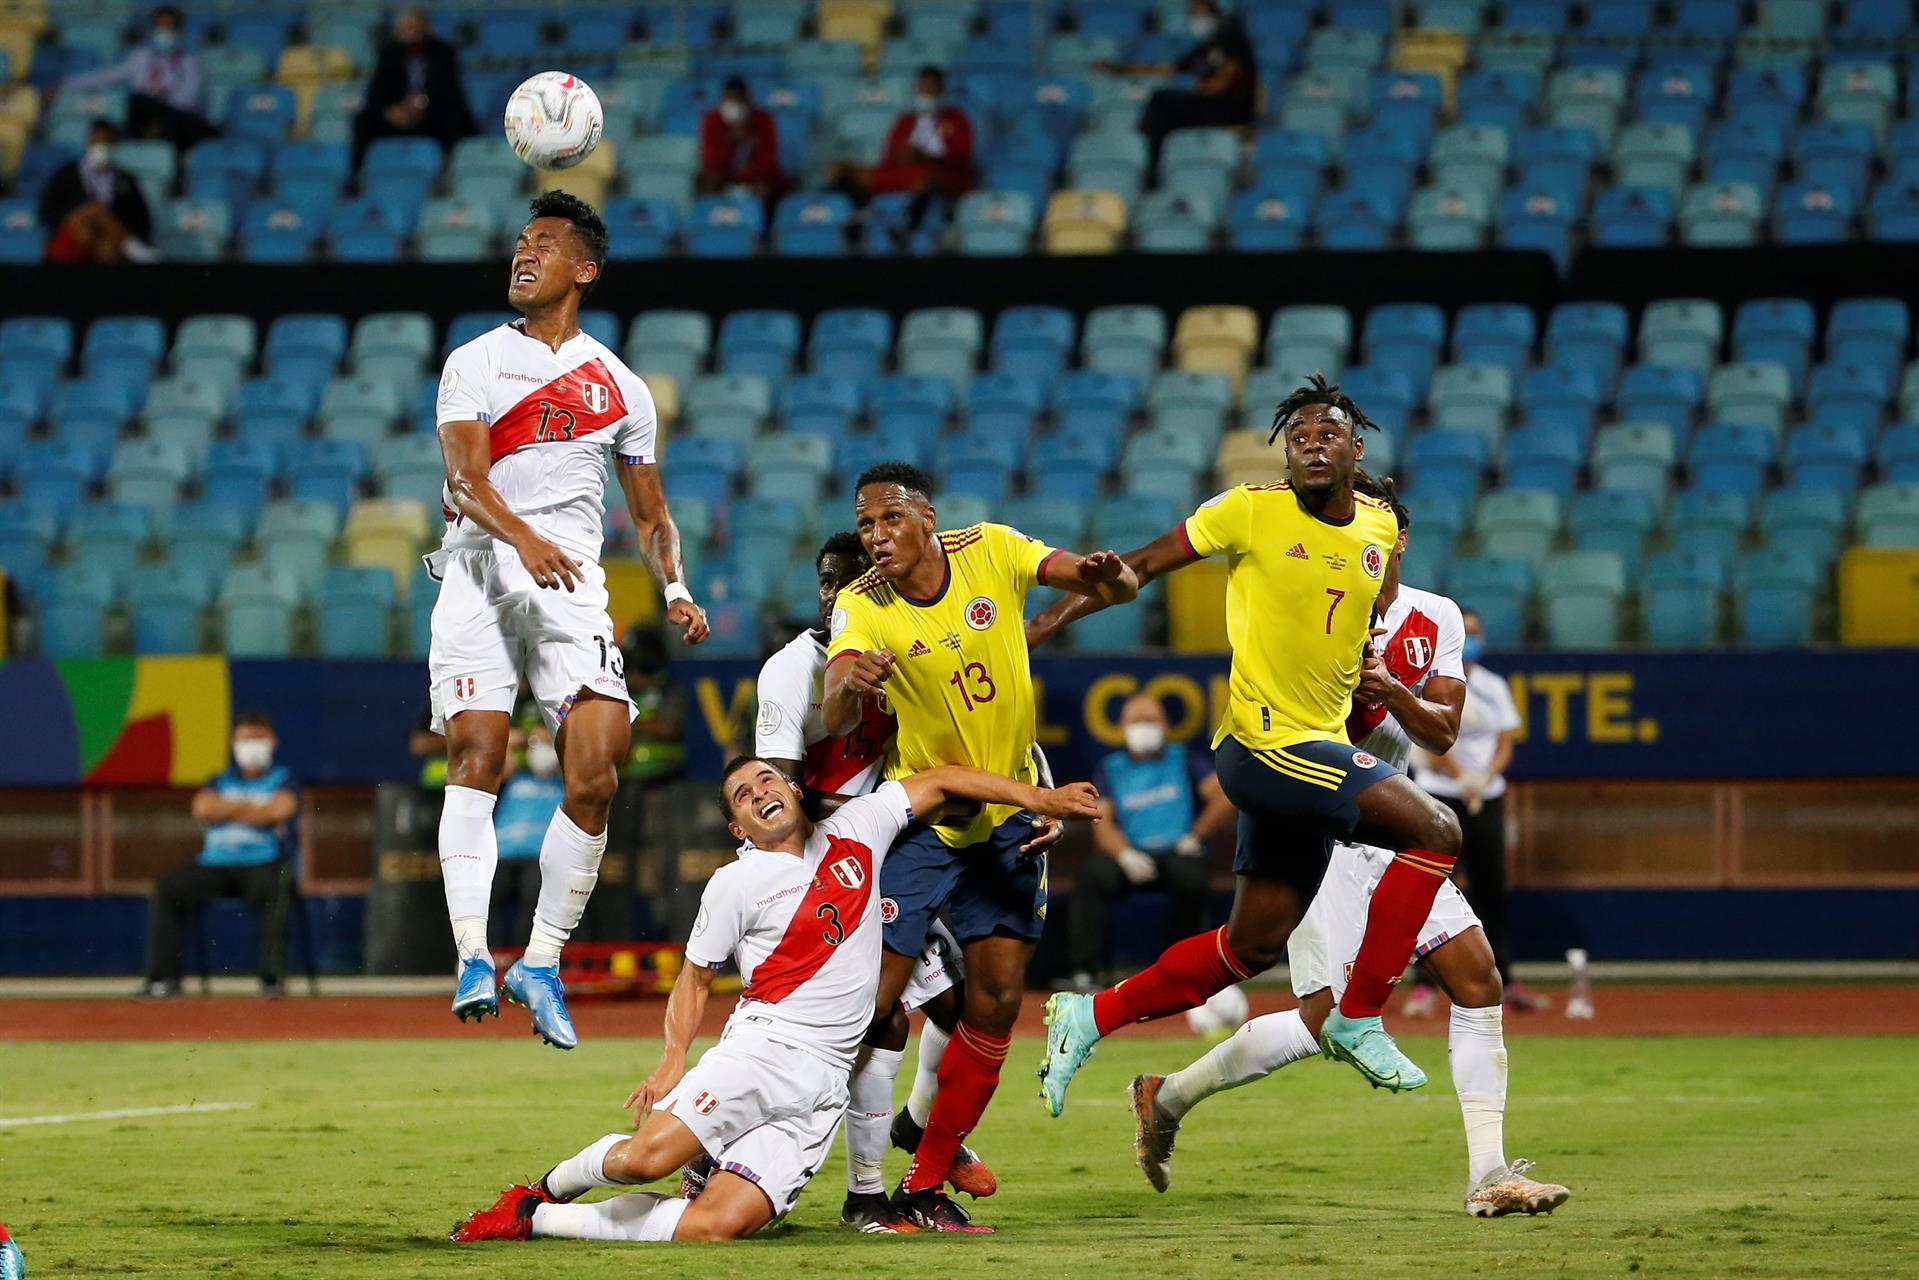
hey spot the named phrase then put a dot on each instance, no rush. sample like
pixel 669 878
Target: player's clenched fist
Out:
pixel 1074 800
pixel 871 670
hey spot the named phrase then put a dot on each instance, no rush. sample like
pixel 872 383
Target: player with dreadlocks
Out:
pixel 1306 560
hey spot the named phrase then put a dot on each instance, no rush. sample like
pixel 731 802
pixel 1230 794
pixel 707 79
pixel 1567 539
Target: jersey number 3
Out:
pixel 834 932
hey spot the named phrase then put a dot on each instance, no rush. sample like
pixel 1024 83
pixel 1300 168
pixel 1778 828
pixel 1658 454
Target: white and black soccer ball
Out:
pixel 1221 1015
pixel 554 120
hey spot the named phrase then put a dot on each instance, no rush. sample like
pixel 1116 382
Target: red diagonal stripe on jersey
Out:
pixel 826 917
pixel 1399 651
pixel 833 762
pixel 579 402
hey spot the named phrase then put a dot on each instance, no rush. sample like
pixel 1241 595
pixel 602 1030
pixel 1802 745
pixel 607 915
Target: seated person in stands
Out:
pixel 1162 806
pixel 92 209
pixel 415 91
pixel 249 813
pixel 929 153
pixel 1226 88
pixel 525 810
pixel 740 146
pixel 166 84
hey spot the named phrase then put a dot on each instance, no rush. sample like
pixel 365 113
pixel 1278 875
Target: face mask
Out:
pixel 99 155
pixel 1202 27
pixel 732 112
pixel 166 39
pixel 926 102
pixel 253 755
pixel 1473 647
pixel 542 759
pixel 1143 738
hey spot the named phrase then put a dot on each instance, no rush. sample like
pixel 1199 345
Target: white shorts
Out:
pixel 937 969
pixel 493 624
pixel 763 1110
pixel 1320 953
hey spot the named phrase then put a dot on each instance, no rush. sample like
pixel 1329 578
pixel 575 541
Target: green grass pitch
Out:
pixel 1723 1157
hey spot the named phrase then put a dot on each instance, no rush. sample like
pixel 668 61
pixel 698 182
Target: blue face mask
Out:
pixel 1474 646
pixel 165 39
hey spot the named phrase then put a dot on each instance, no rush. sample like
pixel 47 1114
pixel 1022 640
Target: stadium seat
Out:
pixel 1679 598
pixel 730 406
pixel 1636 456
pixel 1682 331
pixel 166 601
pixel 1731 458
pixel 256 607
pixel 941 342
pixel 1660 393
pixel 1544 458
pixel 1084 221
pixel 1618 521
pixel 994 222
pixel 1496 589
pixel 1751 393
pixel 1471 395
pixel 148 472
pixel 1519 525
pixel 73 621
pixel 1448 460
pixel 1775 593
pixel 353 606
pixel 1124 340
pixel 1579 594
pixel 1888 515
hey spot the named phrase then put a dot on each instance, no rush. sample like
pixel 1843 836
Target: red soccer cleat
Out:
pixel 970 1174
pixel 509 1218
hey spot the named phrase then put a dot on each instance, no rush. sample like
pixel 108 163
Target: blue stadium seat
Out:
pixel 1632 217
pixel 1545 458
pixel 353 606
pixel 1680 598
pixel 1775 594
pixel 73 622
pixel 812 225
pixel 762 343
pixel 1126 340
pixel 256 606
pixel 327 471
pixel 1616 521
pixel 1731 458
pixel 1898 453
pixel 166 601
pixel 1005 404
pixel 1384 395
pixel 1660 393
pixel 1579 594
pixel 1447 460
pixel 724 227
pixel 1853 395
pixel 1872 332
pixel 1496 589
pixel 1358 221
pixel 1268 222
pixel 1637 456
pixel 1806 520
pixel 1494 333
pixel 1590 336
pixel 1556 395
pixel 1032 341
pixel 1779 330
pixel 1090 402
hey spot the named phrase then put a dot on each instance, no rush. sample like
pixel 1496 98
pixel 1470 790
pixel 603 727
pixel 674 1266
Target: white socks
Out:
pixel 577 1175
pixel 869 1115
pixel 926 1074
pixel 569 868
pixel 1476 1052
pixel 1254 1052
pixel 468 854
pixel 641 1216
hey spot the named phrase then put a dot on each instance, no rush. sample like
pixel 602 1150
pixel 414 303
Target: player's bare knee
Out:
pixel 589 792
pixel 628 1164
pixel 717 1222
pixel 1482 990
pixel 1442 833
pixel 888 1030
pixel 475 765
pixel 992 1010
pixel 1257 951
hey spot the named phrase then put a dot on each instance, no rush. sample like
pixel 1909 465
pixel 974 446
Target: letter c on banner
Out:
pixel 1101 712
pixel 1188 717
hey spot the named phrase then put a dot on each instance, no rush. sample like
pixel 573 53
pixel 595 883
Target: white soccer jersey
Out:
pixel 805 931
pixel 551 415
pixel 1425 637
pixel 790 726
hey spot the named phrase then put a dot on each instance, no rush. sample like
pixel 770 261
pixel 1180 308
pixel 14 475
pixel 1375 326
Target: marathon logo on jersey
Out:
pixel 919 649
pixel 980 613
pixel 1298 552
pixel 1374 561
pixel 889 911
pixel 849 872
pixel 1419 651
pixel 704 1102
pixel 464 687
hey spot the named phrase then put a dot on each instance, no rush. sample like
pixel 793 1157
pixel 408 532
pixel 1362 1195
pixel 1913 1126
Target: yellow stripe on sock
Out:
pixel 1420 866
pixel 1226 954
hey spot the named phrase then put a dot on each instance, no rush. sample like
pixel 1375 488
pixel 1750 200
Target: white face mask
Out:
pixel 926 102
pixel 1202 26
pixel 99 155
pixel 253 755
pixel 542 759
pixel 1144 738
pixel 732 111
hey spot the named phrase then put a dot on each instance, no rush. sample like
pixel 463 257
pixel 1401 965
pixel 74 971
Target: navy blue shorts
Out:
pixel 980 890
pixel 1293 803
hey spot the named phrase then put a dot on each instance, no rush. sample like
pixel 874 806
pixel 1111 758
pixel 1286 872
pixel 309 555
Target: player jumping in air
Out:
pixel 1412 691
pixel 1306 560
pixel 791 736
pixel 935 627
pixel 526 412
pixel 799 912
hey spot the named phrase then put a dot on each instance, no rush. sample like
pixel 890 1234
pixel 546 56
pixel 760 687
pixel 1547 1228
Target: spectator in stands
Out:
pixel 415 91
pixel 658 754
pixel 740 146
pixel 525 809
pixel 93 210
pixel 929 153
pixel 1162 806
pixel 1226 88
pixel 166 83
pixel 248 812
pixel 1470 780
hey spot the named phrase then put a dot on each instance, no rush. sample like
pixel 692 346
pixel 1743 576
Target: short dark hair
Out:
pixel 169 11
pixel 734 82
pixel 845 544
pixel 736 764
pixel 253 718
pixel 930 70
pixel 1319 391
pixel 904 474
pixel 102 122
pixel 586 224
pixel 1386 489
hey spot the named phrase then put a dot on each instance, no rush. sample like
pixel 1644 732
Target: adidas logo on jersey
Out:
pixel 919 650
pixel 1298 552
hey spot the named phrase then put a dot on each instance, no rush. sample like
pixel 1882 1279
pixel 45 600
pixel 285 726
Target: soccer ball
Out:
pixel 1220 1016
pixel 553 120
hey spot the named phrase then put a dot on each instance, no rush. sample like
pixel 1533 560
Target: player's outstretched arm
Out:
pixel 1103 575
pixel 1161 556
pixel 659 540
pixel 931 788
pixel 685 1009
pixel 469 457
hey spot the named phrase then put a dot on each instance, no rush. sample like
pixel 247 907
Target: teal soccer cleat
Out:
pixel 1364 1043
pixel 13 1266
pixel 539 990
pixel 477 994
pixel 1070 1037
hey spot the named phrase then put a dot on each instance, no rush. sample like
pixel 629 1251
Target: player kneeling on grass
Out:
pixel 1412 689
pixel 799 913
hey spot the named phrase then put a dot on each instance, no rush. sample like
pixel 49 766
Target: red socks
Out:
pixel 1400 905
pixel 969 1072
pixel 1184 977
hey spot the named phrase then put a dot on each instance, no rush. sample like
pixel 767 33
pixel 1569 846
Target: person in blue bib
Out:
pixel 248 812
pixel 1162 806
pixel 520 819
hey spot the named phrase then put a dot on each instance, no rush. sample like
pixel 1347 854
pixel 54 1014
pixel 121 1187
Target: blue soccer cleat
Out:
pixel 13 1266
pixel 1363 1042
pixel 477 994
pixel 1071 1034
pixel 538 989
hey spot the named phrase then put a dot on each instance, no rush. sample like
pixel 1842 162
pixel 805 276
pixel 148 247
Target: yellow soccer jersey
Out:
pixel 962 687
pixel 1299 607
